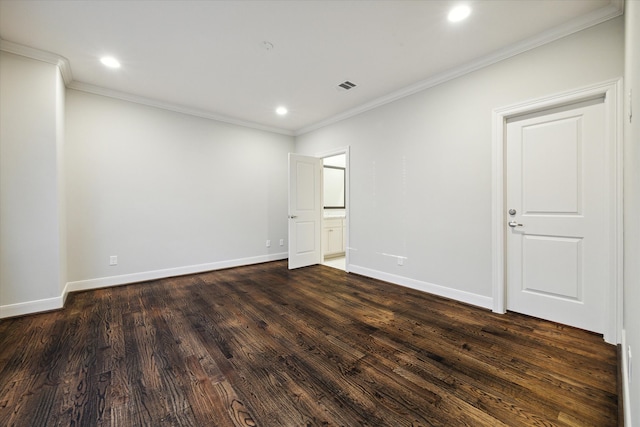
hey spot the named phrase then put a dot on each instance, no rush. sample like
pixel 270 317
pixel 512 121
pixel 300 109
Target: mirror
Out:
pixel 334 188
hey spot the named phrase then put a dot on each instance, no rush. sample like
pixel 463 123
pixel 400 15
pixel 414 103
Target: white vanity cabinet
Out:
pixel 333 237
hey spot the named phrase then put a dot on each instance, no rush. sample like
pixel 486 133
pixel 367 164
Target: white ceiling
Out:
pixel 207 57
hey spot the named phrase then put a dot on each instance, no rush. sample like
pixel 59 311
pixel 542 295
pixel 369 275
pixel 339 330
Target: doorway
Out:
pixel 335 207
pixel 319 231
pixel 557 208
pixel 334 211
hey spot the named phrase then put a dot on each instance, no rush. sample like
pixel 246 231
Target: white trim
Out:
pixel 346 151
pixel 65 69
pixel 626 396
pixel 596 17
pixel 99 90
pixel 625 380
pixel 30 307
pixel 334 152
pixel 431 288
pixel 56 303
pixel 40 55
pixel 616 304
pixel 611 90
pixel 124 279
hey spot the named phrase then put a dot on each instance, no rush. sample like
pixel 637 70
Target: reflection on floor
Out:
pixel 338 262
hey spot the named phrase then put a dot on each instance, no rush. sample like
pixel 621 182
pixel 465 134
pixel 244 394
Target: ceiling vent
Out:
pixel 347 85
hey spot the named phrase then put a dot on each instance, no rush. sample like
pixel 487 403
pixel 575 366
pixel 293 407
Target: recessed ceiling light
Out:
pixel 281 111
pixel 110 61
pixel 459 13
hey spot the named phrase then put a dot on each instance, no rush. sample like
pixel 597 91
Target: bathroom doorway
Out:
pixel 335 222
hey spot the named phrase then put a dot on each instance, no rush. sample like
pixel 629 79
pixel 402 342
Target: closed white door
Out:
pixel 558 218
pixel 305 210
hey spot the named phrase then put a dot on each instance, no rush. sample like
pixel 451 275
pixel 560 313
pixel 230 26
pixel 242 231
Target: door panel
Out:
pixel 305 236
pixel 552 266
pixel 305 175
pixel 557 244
pixel 561 169
pixel 305 210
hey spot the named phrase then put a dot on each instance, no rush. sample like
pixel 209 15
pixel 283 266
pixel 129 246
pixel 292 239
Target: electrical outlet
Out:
pixel 268 243
pixel 113 260
pixel 281 242
pixel 400 261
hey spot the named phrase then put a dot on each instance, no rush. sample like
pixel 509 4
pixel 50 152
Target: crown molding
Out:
pixel 65 69
pixel 613 10
pixel 40 55
pixel 99 90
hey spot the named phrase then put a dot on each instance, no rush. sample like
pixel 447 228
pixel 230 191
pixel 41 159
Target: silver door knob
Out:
pixel 293 216
pixel 514 224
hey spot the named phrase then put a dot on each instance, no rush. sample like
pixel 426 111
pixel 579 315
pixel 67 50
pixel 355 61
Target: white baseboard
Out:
pixel 56 303
pixel 124 279
pixel 625 381
pixel 30 307
pixel 462 296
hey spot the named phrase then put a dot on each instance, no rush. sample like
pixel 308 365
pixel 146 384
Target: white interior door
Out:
pixel 558 221
pixel 305 210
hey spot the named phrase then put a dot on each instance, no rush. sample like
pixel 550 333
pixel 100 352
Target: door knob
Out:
pixel 514 224
pixel 293 216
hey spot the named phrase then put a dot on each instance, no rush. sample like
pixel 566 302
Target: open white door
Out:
pixel 305 210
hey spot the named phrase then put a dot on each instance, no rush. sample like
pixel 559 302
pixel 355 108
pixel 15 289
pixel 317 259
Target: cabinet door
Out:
pixel 325 240
pixel 334 240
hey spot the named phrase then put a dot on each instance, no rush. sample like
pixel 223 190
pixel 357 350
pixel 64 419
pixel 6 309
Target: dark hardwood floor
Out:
pixel 264 346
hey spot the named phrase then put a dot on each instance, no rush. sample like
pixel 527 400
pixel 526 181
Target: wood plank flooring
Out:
pixel 264 346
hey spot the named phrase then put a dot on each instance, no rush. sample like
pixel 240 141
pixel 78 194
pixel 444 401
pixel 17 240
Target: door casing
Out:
pixel 612 92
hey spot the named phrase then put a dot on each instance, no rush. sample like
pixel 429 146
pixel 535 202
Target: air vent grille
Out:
pixel 347 85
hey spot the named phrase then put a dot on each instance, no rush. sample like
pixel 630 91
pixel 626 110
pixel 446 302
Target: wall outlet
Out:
pixel 268 243
pixel 113 260
pixel 400 261
pixel 281 242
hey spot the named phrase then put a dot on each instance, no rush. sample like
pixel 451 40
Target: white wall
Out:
pixel 168 193
pixel 32 263
pixel 632 212
pixel 420 167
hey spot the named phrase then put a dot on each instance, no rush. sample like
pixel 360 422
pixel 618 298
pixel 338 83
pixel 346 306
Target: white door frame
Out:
pixel 346 151
pixel 612 92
